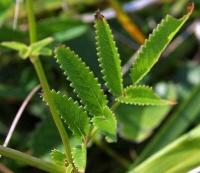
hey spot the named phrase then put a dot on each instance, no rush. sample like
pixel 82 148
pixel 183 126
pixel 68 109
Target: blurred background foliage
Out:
pixel 142 130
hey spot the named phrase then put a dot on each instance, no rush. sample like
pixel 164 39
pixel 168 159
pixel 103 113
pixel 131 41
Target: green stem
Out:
pixel 30 160
pixel 44 83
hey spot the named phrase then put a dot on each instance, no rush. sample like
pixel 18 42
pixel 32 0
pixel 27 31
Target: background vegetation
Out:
pixel 142 130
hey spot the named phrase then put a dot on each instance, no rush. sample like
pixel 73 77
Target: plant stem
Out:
pixel 30 160
pixel 44 83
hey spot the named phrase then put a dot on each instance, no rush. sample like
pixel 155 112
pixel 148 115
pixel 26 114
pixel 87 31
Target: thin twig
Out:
pixel 16 14
pixel 4 169
pixel 18 115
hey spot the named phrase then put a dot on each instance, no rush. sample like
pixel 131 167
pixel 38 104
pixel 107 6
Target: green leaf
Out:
pixel 39 47
pixel 35 49
pixel 136 123
pixel 87 88
pixel 141 95
pixel 180 156
pixel 109 57
pixel 69 169
pixel 83 80
pixel 14 45
pixel 107 124
pixel 58 157
pixel 74 115
pixel 22 49
pixel 152 49
pixel 179 121
pixel 79 155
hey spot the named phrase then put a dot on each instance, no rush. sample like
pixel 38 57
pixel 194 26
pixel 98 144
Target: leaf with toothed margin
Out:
pixel 88 89
pixel 79 154
pixel 58 157
pixel 109 57
pixel 69 169
pixel 83 80
pixel 107 124
pixel 150 52
pixel 74 116
pixel 142 95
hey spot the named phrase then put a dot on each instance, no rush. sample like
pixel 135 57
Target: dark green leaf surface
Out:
pixel 88 89
pixel 107 123
pixel 58 157
pixel 74 116
pixel 83 81
pixel 150 52
pixel 141 95
pixel 109 57
pixel 136 123
pixel 79 156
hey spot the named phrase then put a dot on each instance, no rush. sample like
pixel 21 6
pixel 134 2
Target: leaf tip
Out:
pixel 98 15
pixel 190 7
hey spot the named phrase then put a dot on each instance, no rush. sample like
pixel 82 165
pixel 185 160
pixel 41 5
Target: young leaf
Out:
pixel 141 95
pixel 22 49
pixel 58 157
pixel 109 57
pixel 107 124
pixel 39 47
pixel 74 116
pixel 150 52
pixel 79 156
pixel 83 80
pixel 180 156
pixel 35 49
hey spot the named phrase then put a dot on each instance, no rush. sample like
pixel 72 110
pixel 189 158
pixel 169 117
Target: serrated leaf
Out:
pixel 109 57
pixel 150 52
pixel 182 118
pixel 136 123
pixel 107 124
pixel 141 95
pixel 180 156
pixel 74 116
pixel 79 155
pixel 58 157
pixel 83 80
pixel 69 169
pixel 88 89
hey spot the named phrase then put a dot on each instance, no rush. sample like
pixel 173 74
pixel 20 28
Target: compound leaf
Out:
pixel 87 88
pixel 150 52
pixel 83 81
pixel 109 57
pixel 141 95
pixel 74 116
